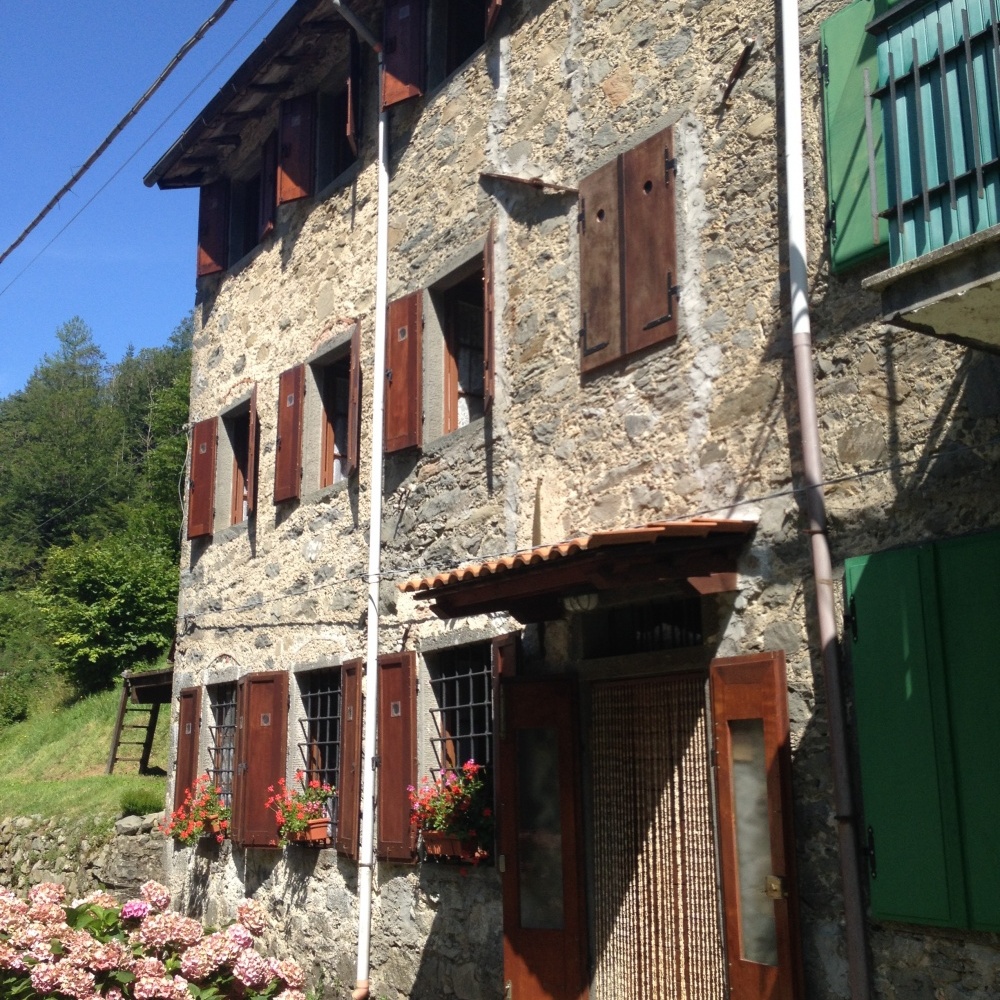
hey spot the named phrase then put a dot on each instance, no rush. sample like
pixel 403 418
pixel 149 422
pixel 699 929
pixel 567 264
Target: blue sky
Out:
pixel 68 73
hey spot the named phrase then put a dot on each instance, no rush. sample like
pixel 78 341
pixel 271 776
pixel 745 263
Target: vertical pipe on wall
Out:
pixel 366 857
pixel 859 976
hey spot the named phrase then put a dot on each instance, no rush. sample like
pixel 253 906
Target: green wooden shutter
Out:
pixel 968 597
pixel 903 746
pixel 846 50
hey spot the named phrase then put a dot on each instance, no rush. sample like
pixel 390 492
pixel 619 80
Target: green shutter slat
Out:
pixel 899 740
pixel 968 597
pixel 848 51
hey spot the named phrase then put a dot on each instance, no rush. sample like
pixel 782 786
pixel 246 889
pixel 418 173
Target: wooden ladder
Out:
pixel 130 706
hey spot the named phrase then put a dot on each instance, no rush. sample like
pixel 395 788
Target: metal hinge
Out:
pixel 870 852
pixel 376 761
pixel 583 340
pixel 673 291
pixel 851 619
pixel 824 64
pixel 581 219
pixel 669 165
pixel 831 222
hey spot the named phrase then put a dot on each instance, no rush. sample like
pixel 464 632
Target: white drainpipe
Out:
pixel 858 971
pixel 366 858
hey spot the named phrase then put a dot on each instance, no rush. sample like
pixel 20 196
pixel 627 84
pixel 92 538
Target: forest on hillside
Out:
pixel 91 459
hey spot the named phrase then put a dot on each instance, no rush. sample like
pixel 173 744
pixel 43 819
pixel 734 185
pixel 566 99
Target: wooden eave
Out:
pixel 700 554
pixel 153 687
pixel 296 46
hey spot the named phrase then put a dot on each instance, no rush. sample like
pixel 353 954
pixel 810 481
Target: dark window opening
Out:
pixel 320 748
pixel 456 30
pixel 643 628
pixel 335 385
pixel 238 430
pixel 334 150
pixel 463 318
pixel 244 225
pixel 223 736
pixel 462 686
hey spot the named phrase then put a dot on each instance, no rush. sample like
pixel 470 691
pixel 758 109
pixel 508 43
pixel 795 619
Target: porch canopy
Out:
pixel 531 585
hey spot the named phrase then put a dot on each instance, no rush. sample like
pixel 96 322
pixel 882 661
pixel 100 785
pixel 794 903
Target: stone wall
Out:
pixel 80 856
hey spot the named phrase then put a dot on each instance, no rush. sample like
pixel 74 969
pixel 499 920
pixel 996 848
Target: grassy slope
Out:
pixel 53 763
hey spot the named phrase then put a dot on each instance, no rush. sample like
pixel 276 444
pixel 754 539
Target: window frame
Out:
pixel 222 738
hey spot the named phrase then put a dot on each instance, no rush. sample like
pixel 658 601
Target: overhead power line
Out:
pixel 114 133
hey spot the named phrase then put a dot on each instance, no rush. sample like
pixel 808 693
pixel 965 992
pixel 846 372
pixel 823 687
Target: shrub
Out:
pixel 141 801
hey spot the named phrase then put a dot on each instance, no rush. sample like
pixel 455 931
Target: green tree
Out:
pixel 107 606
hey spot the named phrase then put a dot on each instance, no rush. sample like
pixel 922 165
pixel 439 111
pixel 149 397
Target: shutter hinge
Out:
pixel 376 761
pixel 824 64
pixel 583 340
pixel 851 619
pixel 581 218
pixel 388 375
pixel 870 852
pixel 673 292
pixel 669 165
pixel 831 222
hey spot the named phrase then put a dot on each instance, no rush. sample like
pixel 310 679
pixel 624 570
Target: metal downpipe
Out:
pixel 859 971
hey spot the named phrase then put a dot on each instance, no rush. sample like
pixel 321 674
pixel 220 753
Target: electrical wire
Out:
pixel 393 573
pixel 116 131
pixel 159 128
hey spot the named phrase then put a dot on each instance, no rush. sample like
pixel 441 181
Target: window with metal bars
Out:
pixel 462 685
pixel 643 628
pixel 223 736
pixel 320 746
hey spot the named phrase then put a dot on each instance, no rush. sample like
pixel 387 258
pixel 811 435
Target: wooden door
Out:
pixel 540 844
pixel 756 846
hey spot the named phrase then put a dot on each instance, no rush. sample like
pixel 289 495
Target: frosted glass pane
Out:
pixel 539 834
pixel 758 937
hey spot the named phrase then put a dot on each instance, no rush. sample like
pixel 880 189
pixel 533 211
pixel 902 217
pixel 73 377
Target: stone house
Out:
pixel 549 410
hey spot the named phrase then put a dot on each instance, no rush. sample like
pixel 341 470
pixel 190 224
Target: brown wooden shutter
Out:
pixel 404 359
pixel 403 72
pixel 489 320
pixel 492 13
pixel 288 457
pixel 188 727
pixel 506 654
pixel 213 227
pixel 296 148
pixel 349 792
pixel 268 185
pixel 600 268
pixel 201 484
pixel 353 93
pixel 397 751
pixel 261 754
pixel 354 405
pixel 650 245
pixel 251 483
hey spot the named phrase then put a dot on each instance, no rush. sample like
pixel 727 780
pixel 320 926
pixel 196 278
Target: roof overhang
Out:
pixel 700 554
pixel 152 687
pixel 279 67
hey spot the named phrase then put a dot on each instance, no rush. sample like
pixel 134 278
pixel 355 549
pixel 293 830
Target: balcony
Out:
pixel 937 100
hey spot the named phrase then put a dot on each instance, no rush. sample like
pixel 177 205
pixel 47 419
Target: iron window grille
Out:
pixel 653 627
pixel 223 735
pixel 462 685
pixel 320 747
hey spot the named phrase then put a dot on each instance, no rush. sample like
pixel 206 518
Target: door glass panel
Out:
pixel 539 832
pixel 758 937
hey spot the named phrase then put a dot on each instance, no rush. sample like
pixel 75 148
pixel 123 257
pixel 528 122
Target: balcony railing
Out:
pixel 938 92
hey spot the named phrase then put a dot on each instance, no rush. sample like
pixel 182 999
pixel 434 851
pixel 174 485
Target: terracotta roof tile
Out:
pixel 695 528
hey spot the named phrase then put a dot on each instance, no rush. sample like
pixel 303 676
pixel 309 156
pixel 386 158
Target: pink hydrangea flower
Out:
pixel 135 909
pixel 47 892
pixel 251 970
pixel 157 895
pixel 291 995
pixel 289 972
pixel 239 936
pixel 252 916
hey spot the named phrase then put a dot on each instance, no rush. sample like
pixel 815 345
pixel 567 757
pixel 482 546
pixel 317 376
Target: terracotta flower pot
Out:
pixel 316 833
pixel 444 845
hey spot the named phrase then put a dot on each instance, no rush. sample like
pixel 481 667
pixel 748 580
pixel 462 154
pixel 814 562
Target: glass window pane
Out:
pixel 758 937
pixel 539 835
